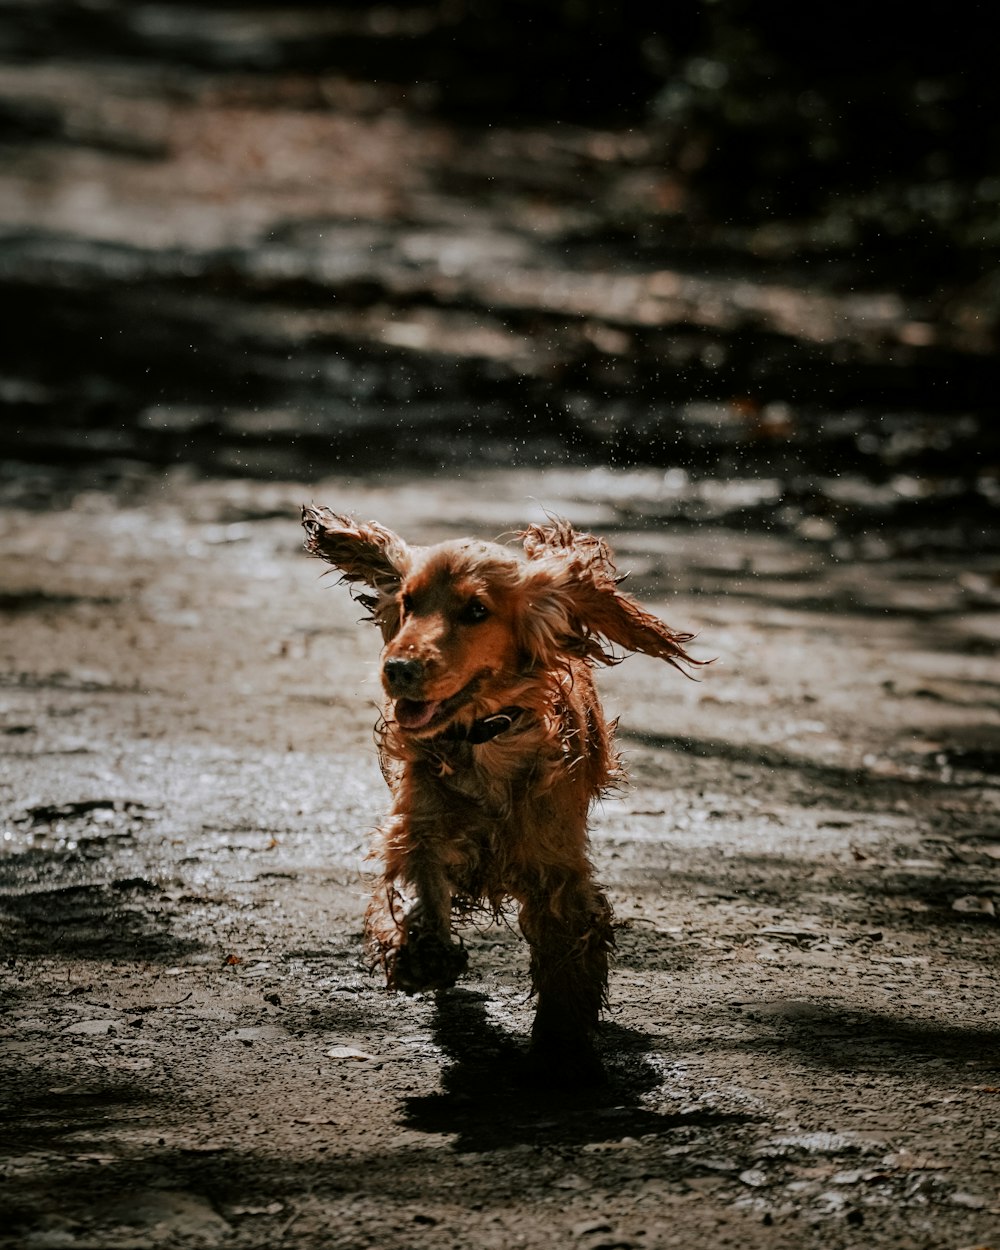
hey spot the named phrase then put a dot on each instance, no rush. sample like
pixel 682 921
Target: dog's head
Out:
pixel 464 621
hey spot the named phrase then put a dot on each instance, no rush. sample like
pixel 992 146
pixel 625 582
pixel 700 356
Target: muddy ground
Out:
pixel 246 261
pixel 803 1040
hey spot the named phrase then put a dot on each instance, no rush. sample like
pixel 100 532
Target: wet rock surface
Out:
pixel 803 1040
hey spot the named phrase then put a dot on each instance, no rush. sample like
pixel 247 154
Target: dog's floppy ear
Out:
pixel 366 553
pixel 575 607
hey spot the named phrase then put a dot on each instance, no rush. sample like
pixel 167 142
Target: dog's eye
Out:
pixel 474 612
pixel 406 603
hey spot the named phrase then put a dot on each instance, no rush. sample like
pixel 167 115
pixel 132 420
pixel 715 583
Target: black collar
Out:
pixel 484 730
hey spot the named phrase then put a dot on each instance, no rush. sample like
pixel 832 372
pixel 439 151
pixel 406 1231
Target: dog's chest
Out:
pixel 494 775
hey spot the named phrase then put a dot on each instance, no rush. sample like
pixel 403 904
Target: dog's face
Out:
pixel 464 621
pixel 457 639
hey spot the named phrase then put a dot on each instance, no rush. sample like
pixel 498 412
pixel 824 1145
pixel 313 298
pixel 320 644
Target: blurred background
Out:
pixel 745 249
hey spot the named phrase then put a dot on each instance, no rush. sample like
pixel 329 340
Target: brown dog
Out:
pixel 494 745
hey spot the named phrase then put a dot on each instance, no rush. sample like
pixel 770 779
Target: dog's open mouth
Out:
pixel 416 713
pixel 413 715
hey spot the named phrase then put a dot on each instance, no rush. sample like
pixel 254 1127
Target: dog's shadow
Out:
pixel 491 1099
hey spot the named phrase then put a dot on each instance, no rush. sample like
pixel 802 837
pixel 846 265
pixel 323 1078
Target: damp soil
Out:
pixel 803 1043
pixel 248 260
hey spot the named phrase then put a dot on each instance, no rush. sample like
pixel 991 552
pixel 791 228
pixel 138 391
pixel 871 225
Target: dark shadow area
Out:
pixel 862 601
pixel 50 1120
pixel 343 1013
pixel 80 1163
pixel 839 780
pixel 28 602
pixel 58 896
pixel 126 383
pixel 697 237
pixel 766 108
pixel 491 1101
pixel 847 1039
pixel 77 1167
pixel 877 892
pixel 117 919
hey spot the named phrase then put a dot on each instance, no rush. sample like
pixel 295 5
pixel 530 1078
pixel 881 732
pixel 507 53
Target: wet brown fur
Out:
pixel 475 824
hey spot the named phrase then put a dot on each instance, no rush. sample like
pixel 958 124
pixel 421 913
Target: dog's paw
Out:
pixel 426 962
pixel 564 1061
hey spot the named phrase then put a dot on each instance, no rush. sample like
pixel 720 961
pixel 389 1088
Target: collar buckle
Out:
pixel 488 728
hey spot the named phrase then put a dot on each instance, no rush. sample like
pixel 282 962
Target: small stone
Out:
pixel 972 1201
pixel 347 1052
pixel 848 1178
pixel 569 1181
pixel 812 1143
pixel 974 904
pixel 95 1028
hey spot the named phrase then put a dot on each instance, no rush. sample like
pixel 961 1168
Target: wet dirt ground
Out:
pixel 803 1045
pixel 231 250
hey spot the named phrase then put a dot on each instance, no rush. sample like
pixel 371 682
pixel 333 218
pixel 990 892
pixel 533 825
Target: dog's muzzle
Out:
pixel 403 678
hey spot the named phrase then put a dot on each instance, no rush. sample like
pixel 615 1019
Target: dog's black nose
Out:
pixel 403 676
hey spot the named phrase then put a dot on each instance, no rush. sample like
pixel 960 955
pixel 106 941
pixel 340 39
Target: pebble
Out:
pixel 975 904
pixel 347 1052
pixel 93 1027
pixel 972 1201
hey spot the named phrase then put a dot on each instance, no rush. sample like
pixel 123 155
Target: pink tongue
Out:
pixel 414 714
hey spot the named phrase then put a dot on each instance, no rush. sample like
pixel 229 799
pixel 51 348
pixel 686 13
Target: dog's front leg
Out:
pixel 408 923
pixel 568 925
